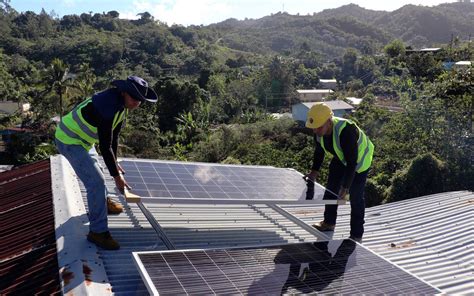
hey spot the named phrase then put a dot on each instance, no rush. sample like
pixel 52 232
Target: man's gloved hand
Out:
pixel 313 175
pixel 342 193
pixel 310 178
pixel 121 183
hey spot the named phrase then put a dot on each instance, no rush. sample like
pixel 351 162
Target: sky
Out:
pixel 204 12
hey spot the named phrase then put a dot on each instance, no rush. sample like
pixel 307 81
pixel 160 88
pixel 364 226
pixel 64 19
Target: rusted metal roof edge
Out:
pixel 28 252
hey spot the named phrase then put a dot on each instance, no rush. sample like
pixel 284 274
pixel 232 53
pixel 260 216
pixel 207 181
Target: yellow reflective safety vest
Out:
pixel 365 147
pixel 74 130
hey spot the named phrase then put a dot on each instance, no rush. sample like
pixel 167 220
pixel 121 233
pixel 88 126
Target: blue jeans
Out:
pixel 87 168
pixel 356 192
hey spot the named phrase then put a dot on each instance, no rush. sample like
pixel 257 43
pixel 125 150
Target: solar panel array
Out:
pixel 336 267
pixel 161 179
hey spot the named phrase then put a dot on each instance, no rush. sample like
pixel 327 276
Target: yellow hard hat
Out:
pixel 318 115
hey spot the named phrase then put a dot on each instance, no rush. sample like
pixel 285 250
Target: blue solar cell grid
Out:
pixel 209 181
pixel 335 267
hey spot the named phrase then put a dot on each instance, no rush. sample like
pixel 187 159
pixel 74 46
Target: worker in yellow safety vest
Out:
pixel 352 154
pixel 99 120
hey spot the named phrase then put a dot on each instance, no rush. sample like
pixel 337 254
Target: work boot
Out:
pixel 323 226
pixel 103 240
pixel 357 239
pixel 113 207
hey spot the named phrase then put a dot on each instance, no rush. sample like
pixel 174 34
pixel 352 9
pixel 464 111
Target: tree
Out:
pixel 365 68
pixel 145 18
pixel 366 45
pixel 310 58
pixel 186 127
pixel 281 82
pixel 83 84
pixel 57 80
pixel 5 6
pixel 424 175
pixel 306 78
pixel 69 22
pixel 175 97
pixel 46 24
pixel 329 71
pixel 348 64
pixel 7 81
pixel 113 14
pixel 395 48
pixel 26 25
pixel 423 65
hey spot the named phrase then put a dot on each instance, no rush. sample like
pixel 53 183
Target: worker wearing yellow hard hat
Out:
pixel 353 152
pixel 318 115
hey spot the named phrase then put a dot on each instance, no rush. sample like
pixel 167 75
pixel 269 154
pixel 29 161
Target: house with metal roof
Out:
pixel 426 50
pixel 462 64
pixel 428 236
pixel 9 107
pixel 313 95
pixel 340 108
pixel 328 83
pixel 354 101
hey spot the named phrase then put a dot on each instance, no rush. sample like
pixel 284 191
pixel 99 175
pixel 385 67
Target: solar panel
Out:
pixel 335 267
pixel 165 181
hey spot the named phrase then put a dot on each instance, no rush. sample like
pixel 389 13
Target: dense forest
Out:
pixel 218 86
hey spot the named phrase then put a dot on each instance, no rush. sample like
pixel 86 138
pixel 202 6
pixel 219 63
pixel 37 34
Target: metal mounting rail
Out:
pixel 132 197
pixel 298 222
pixel 156 226
pixel 195 201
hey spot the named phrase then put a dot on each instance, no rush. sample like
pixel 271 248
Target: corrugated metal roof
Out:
pixel 314 91
pixel 28 258
pixel 334 105
pixel 188 226
pixel 427 235
pixel 430 236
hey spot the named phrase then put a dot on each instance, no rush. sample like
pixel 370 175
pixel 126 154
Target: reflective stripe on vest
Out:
pixel 365 148
pixel 73 129
pixel 119 117
pixel 71 134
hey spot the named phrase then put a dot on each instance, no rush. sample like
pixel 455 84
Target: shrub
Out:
pixel 374 193
pixel 424 175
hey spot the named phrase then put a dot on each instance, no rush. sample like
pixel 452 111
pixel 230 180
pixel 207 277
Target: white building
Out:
pixel 354 101
pixel 340 108
pixel 9 107
pixel 462 64
pixel 313 95
pixel 328 83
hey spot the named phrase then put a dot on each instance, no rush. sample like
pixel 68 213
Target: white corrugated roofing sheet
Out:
pixel 314 91
pixel 334 105
pixel 429 236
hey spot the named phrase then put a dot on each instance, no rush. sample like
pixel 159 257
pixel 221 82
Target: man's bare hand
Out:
pixel 120 169
pixel 121 183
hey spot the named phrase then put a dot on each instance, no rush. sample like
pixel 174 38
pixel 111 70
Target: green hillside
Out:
pixel 333 30
pixel 218 86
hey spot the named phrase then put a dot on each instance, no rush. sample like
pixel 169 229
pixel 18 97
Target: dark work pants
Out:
pixel 356 192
